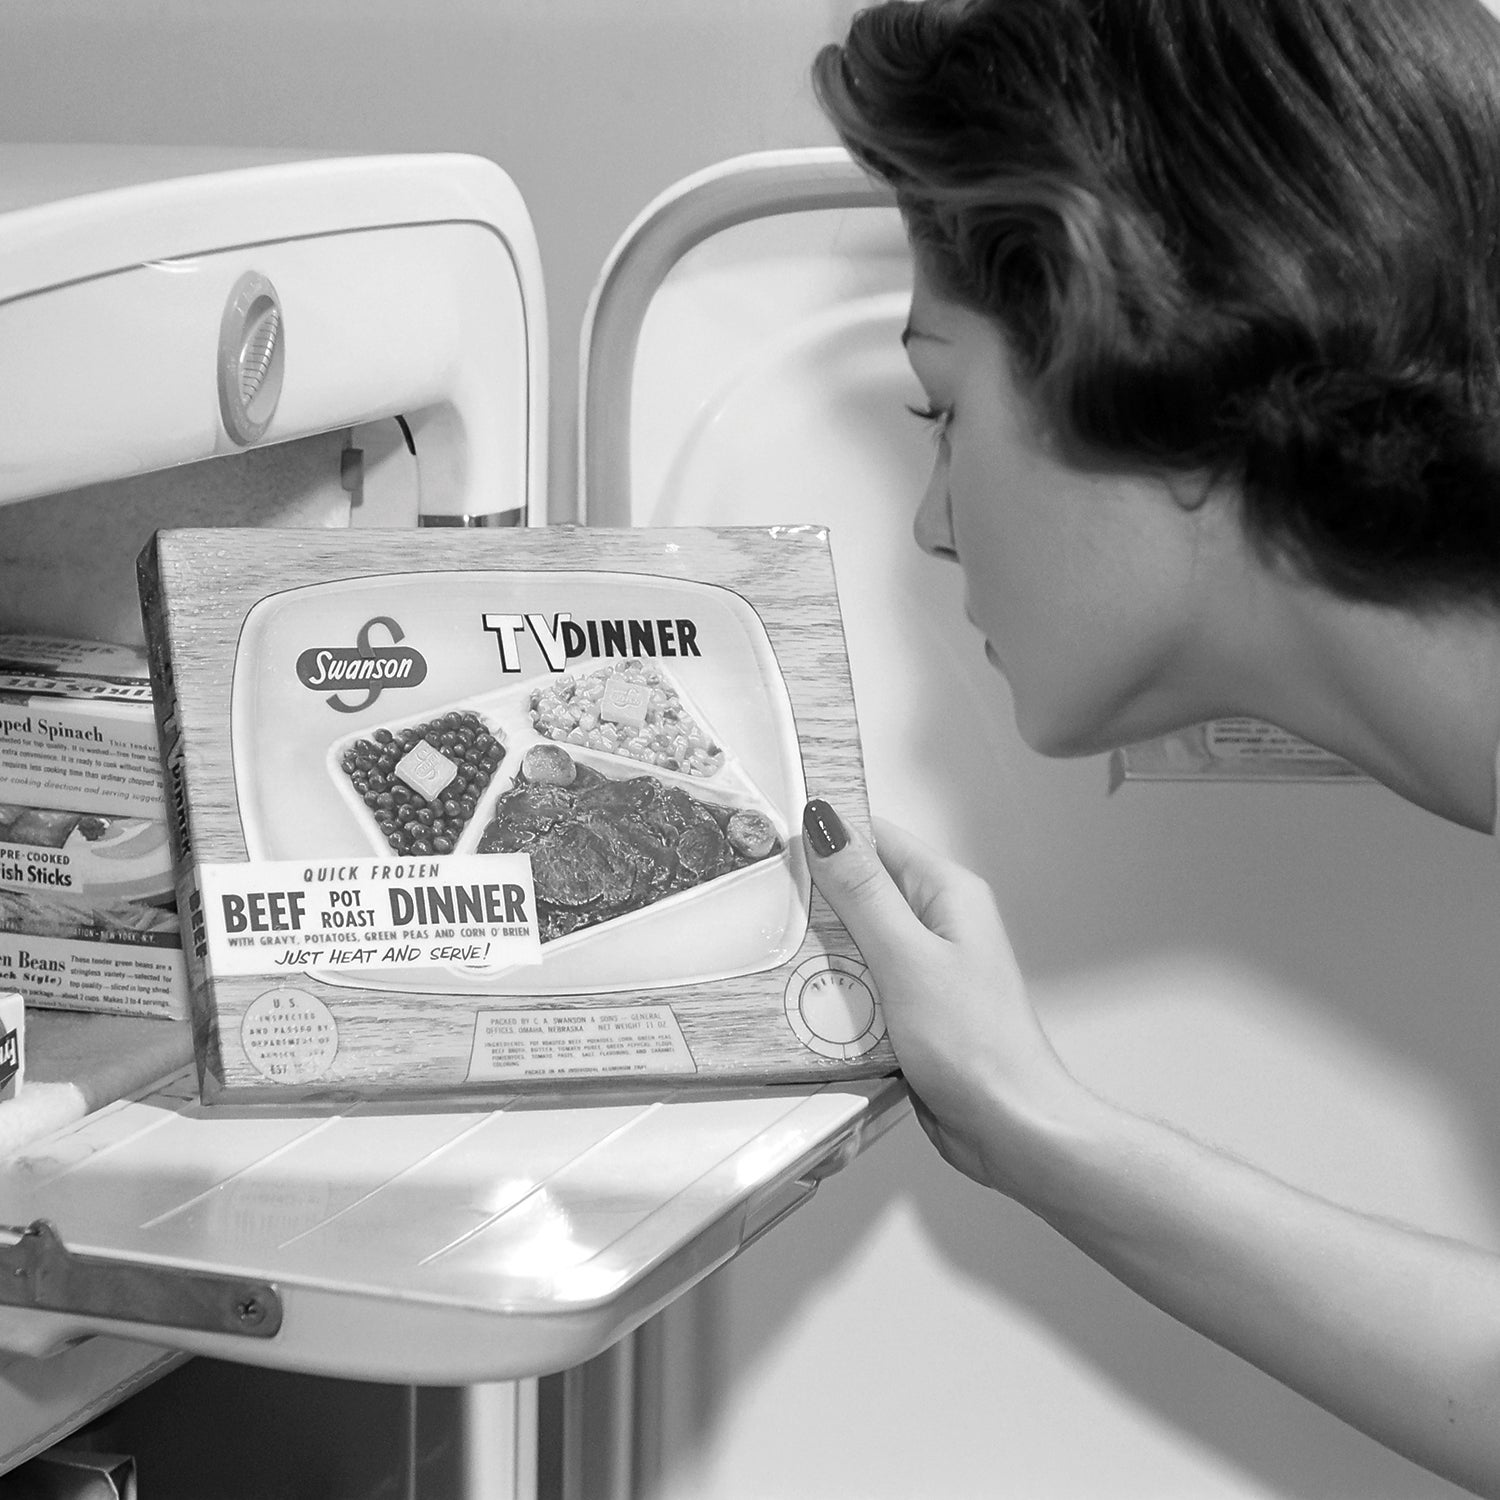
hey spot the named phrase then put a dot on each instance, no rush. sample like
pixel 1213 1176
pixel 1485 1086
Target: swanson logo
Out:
pixel 325 669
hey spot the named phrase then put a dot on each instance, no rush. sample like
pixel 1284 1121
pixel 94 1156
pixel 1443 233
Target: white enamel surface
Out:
pixel 407 284
pixel 501 1242
pixel 377 322
pixel 71 213
pixel 1305 974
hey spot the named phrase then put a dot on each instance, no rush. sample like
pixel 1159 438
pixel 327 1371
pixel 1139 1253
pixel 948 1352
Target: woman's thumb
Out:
pixel 848 872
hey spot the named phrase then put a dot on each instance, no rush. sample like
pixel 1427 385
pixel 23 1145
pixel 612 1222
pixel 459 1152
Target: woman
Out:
pixel 1206 308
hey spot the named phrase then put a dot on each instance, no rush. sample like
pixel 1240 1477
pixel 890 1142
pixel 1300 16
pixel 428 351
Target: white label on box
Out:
pixel 1251 739
pixel 618 1040
pixel 73 974
pixel 358 915
pixel 80 757
pixel 1234 749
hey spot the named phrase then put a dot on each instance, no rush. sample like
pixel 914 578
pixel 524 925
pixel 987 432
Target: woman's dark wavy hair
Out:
pixel 1257 238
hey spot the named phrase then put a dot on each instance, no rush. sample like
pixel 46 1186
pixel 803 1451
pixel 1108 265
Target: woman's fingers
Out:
pixel 949 900
pixel 857 885
pixel 954 1000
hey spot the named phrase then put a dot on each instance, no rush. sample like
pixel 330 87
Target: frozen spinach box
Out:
pixel 483 811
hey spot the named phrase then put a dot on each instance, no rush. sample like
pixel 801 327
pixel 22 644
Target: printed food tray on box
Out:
pixel 610 845
pixel 509 809
pixel 610 782
pixel 416 784
pixel 287 813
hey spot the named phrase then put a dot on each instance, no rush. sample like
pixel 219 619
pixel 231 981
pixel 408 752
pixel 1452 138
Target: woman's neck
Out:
pixel 1412 700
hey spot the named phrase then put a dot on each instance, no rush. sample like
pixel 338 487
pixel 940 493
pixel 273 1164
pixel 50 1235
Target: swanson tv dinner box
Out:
pixel 491 811
pixel 87 915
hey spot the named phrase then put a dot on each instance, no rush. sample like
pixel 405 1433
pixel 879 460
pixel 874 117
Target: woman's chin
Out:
pixel 1057 741
pixel 1063 737
pixel 1071 737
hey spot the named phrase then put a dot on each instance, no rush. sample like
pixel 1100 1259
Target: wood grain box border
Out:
pixel 198 587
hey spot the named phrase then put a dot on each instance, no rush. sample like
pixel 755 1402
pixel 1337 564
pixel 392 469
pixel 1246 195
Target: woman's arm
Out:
pixel 1393 1330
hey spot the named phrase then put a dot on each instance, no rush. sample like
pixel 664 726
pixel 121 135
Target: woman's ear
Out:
pixel 1193 491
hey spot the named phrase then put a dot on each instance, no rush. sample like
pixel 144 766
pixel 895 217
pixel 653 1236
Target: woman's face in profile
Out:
pixel 1082 578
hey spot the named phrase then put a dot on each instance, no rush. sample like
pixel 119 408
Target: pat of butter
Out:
pixel 427 770
pixel 624 701
pixel 12 1045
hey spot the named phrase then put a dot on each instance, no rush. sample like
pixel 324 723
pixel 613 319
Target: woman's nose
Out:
pixel 933 527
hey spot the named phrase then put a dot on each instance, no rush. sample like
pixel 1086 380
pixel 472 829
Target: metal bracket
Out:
pixel 39 1272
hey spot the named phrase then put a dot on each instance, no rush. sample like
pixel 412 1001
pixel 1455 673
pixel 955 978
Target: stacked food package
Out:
pixel 12 1046
pixel 87 915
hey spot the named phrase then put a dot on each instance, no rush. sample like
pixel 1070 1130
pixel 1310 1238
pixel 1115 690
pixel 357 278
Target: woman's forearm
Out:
pixel 1393 1330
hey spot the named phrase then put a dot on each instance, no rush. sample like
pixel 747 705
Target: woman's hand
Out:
pixel 980 1068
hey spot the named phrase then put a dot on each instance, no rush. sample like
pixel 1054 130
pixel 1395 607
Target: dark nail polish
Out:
pixel 825 832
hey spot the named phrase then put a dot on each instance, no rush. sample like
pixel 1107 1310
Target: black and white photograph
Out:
pixel 750 749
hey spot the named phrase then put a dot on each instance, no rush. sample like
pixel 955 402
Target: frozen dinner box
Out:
pixel 490 811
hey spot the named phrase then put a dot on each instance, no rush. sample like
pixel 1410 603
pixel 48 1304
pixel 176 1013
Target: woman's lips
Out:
pixel 989 650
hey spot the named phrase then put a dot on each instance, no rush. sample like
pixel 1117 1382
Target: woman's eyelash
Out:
pixel 935 416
